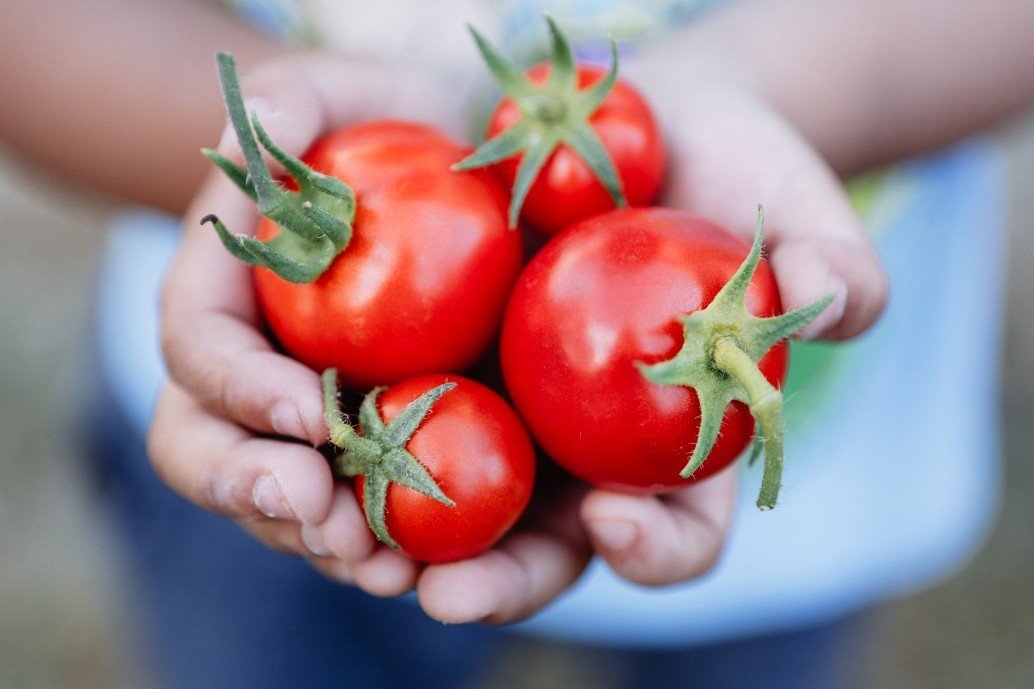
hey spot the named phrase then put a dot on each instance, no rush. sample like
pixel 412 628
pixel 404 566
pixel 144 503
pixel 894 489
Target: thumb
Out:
pixel 809 267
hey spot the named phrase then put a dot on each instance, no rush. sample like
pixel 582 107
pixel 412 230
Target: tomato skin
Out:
pixel 566 190
pixel 475 447
pixel 422 285
pixel 600 297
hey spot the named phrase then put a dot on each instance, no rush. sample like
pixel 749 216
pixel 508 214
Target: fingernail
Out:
pixel 313 540
pixel 831 315
pixel 269 499
pixel 614 534
pixel 286 420
pixel 228 141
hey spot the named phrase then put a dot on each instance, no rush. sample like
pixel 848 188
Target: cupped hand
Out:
pixel 728 153
pixel 236 426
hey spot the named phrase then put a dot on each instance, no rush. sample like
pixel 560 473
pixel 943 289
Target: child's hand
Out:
pixel 730 152
pixel 231 392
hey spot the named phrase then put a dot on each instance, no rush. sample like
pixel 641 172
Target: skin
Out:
pixel 766 101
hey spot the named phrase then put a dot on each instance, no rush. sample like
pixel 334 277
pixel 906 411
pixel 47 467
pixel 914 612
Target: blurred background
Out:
pixel 63 617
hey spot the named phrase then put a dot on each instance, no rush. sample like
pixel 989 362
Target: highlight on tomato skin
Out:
pixel 639 346
pixel 443 466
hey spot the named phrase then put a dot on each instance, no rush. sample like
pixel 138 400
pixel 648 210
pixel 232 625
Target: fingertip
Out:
pixel 810 268
pixel 306 484
pixel 286 420
pixel 832 315
pixel 614 522
pixel 344 532
pixel 300 415
pixel 612 535
pixel 648 541
pixel 456 593
pixel 309 407
pixel 386 573
pixel 272 479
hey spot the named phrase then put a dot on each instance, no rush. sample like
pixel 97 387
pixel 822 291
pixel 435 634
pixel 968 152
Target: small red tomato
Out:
pixel 566 190
pixel 374 256
pixel 570 139
pixel 634 336
pixel 422 285
pixel 454 469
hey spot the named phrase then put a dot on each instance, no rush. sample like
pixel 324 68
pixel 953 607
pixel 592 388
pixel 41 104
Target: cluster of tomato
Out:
pixel 390 258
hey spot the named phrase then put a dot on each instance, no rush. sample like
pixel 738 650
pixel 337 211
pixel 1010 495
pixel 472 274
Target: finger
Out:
pixel 333 569
pixel 344 534
pixel 222 468
pixel 809 268
pixel 210 336
pixel 657 540
pixel 299 97
pixel 281 536
pixel 386 573
pixel 383 573
pixel 507 583
pixel 816 245
pixel 730 153
pixel 516 578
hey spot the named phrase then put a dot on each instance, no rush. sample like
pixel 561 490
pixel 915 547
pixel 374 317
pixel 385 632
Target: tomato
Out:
pixel 566 190
pixel 423 282
pixel 570 139
pixel 373 255
pixel 474 449
pixel 595 303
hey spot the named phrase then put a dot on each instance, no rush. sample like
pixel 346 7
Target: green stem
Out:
pixel 342 434
pixel 721 346
pixel 260 177
pixel 315 222
pixel 766 403
pixel 547 108
pixel 554 113
pixel 379 455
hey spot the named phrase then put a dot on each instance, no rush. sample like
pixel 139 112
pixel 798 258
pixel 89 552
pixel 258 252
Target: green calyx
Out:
pixel 719 360
pixel 315 222
pixel 551 114
pixel 379 455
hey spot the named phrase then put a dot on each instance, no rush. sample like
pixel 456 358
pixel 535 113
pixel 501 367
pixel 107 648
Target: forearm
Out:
pixel 868 82
pixel 119 95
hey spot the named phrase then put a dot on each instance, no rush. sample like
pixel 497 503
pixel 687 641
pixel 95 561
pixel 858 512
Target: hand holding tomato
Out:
pixel 728 152
pixel 223 429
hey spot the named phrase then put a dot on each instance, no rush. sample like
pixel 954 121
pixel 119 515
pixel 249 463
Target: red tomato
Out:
pixel 566 190
pixel 422 285
pixel 475 448
pixel 597 299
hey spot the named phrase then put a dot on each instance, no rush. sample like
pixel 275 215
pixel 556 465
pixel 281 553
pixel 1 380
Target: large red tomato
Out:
pixel 474 448
pixel 596 301
pixel 422 284
pixel 566 190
